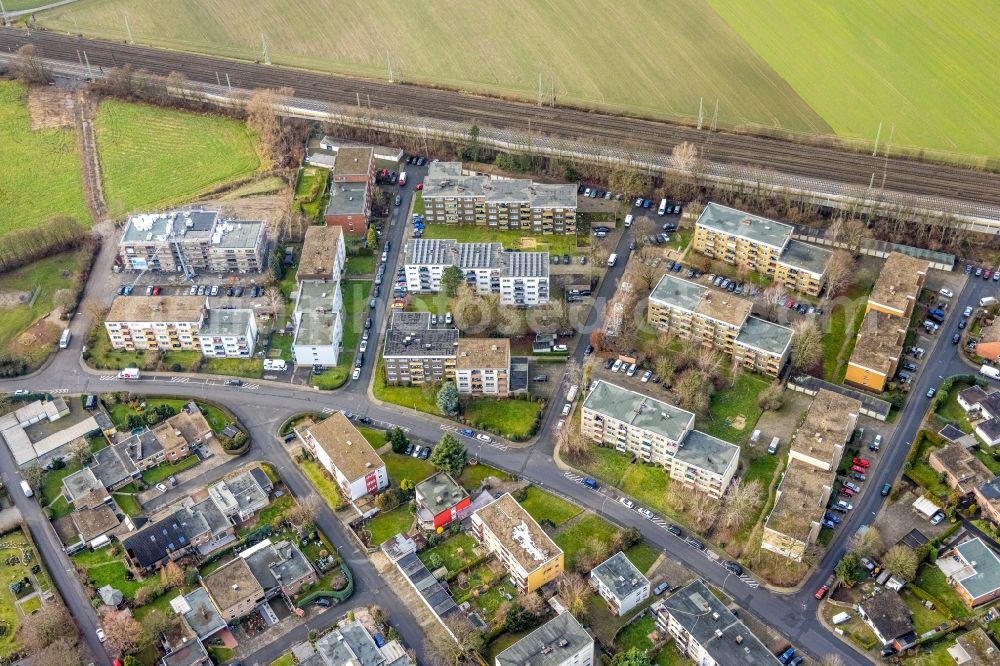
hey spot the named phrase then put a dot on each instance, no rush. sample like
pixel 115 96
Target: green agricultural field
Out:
pixel 153 157
pixel 644 57
pixel 41 176
pixel 858 64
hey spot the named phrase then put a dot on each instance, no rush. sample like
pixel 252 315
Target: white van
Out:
pixel 129 373
pixel 26 489
pixel 987 301
pixel 612 259
pixel 402 179
pixel 773 447
pixel 277 364
pixel 628 220
pixel 662 210
pixel 840 618
pixel 64 339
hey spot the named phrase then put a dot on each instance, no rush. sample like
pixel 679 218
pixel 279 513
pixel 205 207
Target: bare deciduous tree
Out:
pixel 866 543
pixel 304 511
pixel 740 502
pixel 125 634
pixel 171 575
pixel 573 592
pixel 901 561
pixel 807 345
pixel 704 510
pixel 61 652
pixel 853 231
pixel 44 627
pixel 630 182
pixel 772 398
pixel 79 451
pixel 63 300
pixel 840 273
pixel 683 157
pixel 771 298
pixel 695 390
pixel 28 66
pixel 263 116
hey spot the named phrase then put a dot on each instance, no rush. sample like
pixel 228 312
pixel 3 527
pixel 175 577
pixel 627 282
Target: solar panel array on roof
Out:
pixel 434 594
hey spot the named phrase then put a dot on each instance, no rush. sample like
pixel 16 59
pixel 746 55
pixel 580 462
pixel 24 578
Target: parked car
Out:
pixel 858 476
pixel 858 468
pixel 821 592
pixel 660 589
pixel 846 492
pixel 100 635
pixel 733 567
pixel 886 487
pixel 673 529
pixel 646 513
pixel 646 375
pixel 853 486
pixel 626 502
pixel 948 293
pixel 694 543
pixel 832 517
pixel 356 374
pixel 931 391
pixel 425 453
pixel 861 461
pixel 876 443
pixel 161 487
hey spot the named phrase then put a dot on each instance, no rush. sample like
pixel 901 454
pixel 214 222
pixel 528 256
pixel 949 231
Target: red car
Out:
pixel 858 468
pixel 156 291
pixel 986 274
pixel 861 461
pixel 821 592
pixel 420 186
pixel 846 492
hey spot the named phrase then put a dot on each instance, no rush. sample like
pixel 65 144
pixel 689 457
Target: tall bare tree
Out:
pixel 63 300
pixel 807 345
pixel 740 502
pixel 683 157
pixel 61 652
pixel 125 634
pixel 28 67
pixel 866 543
pixel 264 116
pixel 901 561
pixel 840 273
pixel 695 390
pixel 44 627
pixel 573 592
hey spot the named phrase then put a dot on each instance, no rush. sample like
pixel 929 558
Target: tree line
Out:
pixel 24 246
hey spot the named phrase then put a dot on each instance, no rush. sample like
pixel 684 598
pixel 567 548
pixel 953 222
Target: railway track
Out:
pixel 896 174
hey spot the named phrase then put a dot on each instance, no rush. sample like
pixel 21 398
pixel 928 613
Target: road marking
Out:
pixel 108 378
pixel 180 380
pixel 251 386
pixel 58 391
pixel 328 410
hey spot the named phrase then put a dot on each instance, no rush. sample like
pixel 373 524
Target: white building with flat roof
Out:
pixel 228 334
pixel 319 323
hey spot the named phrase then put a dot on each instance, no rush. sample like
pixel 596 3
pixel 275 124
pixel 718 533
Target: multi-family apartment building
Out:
pixel 345 454
pixel 416 353
pixel 165 323
pixel 319 323
pixel 721 321
pixel 527 553
pixel 502 203
pixel 228 333
pixel 520 278
pixel 352 178
pixel 323 254
pixel 620 583
pixel 482 366
pixel 803 492
pixel 706 631
pixel 440 499
pixel 562 641
pixel 877 352
pixel 757 244
pixel 193 241
pixel 898 285
pixel 659 433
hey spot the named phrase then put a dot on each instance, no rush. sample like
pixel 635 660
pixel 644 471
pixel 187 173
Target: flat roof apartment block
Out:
pixel 352 177
pixel 562 641
pixel 706 631
pixel 452 197
pixel 898 285
pixel 619 583
pixel 323 254
pixel 416 353
pixel 482 366
pixel 762 245
pixel 829 424
pixel 319 324
pixel 526 551
pixel 797 516
pixel 192 241
pixel 166 323
pixel 877 351
pixel 763 346
pixel 659 433
pixel 347 455
pixel 228 334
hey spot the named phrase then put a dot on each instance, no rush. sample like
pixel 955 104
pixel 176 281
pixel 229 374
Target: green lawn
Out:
pixel 922 474
pixel 402 467
pixel 155 475
pixel 9 617
pixel 287 659
pixel 273 512
pixel 103 569
pixel 953 411
pixel 512 419
pixel 217 419
pixel 833 342
pixel 541 505
pixel 883 58
pixel 360 265
pixel 984 457
pixel 375 436
pixel 419 398
pixel 324 485
pixel 924 619
pixel 932 581
pixel 573 538
pixel 310 191
pixel 42 175
pixel 162 602
pixel 128 504
pixel 558 244
pixel 455 552
pixel 185 361
pixel 141 146
pixel 280 346
pixel 732 402
pixel 436 303
pixel 354 312
pixel 635 634
pixel 386 525
pixel 44 275
pixel 642 555
pixel 252 368
pixel 52 481
pixel 60 507
pixel 473 475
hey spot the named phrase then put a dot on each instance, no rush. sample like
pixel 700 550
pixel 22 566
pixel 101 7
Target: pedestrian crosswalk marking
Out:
pixel 180 380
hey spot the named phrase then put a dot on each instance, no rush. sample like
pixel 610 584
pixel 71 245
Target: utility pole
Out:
pixel 359 99
pixel 877 135
pixel 388 64
pixel 541 94
pixel 701 111
pixel 128 28
pixel 90 72
pixel 218 82
pixel 888 147
pixel 3 14
pixel 228 84
pixel 715 117
pixel 263 42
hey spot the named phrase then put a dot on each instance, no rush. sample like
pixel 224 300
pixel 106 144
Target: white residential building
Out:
pixel 562 641
pixel 347 455
pixel 164 323
pixel 228 334
pixel 619 583
pixel 319 323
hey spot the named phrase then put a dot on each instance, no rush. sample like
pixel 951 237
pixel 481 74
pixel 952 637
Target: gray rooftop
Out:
pixel 695 608
pixel 212 515
pixel 526 264
pixel 192 226
pixel 620 575
pixel 804 256
pixel 317 318
pixel 440 492
pixel 986 575
pixel 477 255
pixel 734 222
pixel 203 618
pixel 990 429
pixel 707 452
pixel 141 446
pixel 445 180
pixel 639 410
pixel 278 564
pixel 762 334
pixel 227 323
pixel 80 483
pixel 434 594
pixel 991 489
pixel 246 490
pixel 112 465
pixel 406 337
pixel 191 653
pixel 346 199
pixel 678 293
pixel 430 251
pixel 349 646
pixel 550 645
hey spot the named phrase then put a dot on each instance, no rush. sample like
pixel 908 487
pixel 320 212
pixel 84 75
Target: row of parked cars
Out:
pixel 237 290
pixel 984 272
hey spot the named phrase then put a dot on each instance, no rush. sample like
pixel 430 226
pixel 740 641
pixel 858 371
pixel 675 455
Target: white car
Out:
pixel 356 374
pixel 565 411
pixel 483 437
pixel 646 375
pixel 626 502
pixel 22 392
pixel 645 512
pixel 561 423
pixel 364 346
pixel 968 308
pixel 947 293
pixel 559 348
pixel 631 370
pixel 100 635
pixel 162 488
pixel 638 202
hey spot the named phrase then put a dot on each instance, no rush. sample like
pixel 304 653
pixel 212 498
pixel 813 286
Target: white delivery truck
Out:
pixel 612 259
pixel 662 210
pixel 841 618
pixel 64 339
pixel 129 373
pixel 628 220
pixel 402 179
pixel 275 364
pixel 990 371
pixel 26 488
pixel 571 394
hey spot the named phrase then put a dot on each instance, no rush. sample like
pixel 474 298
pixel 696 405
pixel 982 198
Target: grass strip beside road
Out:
pixel 323 483
pixel 155 475
pixel 542 505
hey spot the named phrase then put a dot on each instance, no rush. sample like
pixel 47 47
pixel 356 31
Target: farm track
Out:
pixel 845 167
